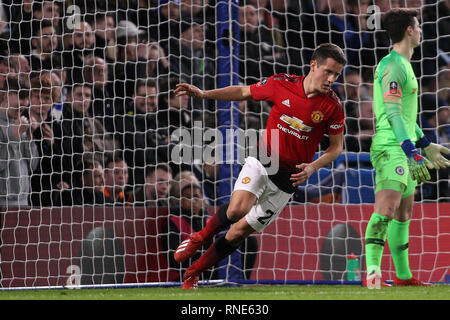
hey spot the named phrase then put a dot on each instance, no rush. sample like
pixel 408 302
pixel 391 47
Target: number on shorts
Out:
pixel 264 220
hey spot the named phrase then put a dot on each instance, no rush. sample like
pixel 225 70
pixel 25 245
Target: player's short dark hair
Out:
pixel 397 20
pixel 329 50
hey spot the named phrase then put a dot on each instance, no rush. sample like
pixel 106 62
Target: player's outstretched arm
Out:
pixel 231 93
pixel 307 169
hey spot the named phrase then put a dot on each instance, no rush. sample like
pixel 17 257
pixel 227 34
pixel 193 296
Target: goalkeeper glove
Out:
pixel 433 152
pixel 416 163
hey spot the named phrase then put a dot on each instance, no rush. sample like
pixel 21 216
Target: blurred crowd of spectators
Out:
pixel 96 125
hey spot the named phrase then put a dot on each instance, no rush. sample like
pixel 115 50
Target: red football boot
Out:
pixel 413 282
pixel 188 248
pixel 374 281
pixel 190 280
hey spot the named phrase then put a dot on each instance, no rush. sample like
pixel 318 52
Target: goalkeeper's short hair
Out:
pixel 397 20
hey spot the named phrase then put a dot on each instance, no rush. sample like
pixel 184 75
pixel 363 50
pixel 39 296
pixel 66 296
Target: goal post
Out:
pixel 98 186
pixel 228 117
pixel 228 74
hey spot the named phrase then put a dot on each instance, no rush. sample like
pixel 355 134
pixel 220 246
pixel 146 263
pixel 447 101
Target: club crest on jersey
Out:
pixel 316 116
pixel 295 123
pixel 246 180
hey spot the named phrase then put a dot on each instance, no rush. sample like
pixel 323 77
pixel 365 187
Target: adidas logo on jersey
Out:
pixel 286 103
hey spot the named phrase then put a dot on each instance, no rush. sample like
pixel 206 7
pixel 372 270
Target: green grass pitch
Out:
pixel 247 292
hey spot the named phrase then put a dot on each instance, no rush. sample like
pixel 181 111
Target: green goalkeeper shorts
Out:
pixel 391 171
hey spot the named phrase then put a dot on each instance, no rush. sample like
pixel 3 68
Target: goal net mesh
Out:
pixel 105 171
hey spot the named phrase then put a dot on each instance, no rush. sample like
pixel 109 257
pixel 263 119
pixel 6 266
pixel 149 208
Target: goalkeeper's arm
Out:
pixel 416 163
pixel 433 151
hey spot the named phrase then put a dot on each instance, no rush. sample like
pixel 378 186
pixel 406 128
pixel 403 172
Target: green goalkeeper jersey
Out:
pixel 395 102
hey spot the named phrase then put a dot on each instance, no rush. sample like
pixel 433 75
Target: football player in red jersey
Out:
pixel 304 109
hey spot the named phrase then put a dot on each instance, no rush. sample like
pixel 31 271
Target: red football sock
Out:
pixel 206 261
pixel 217 223
pixel 219 250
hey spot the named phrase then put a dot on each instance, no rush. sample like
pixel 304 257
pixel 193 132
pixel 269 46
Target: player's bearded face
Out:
pixel 325 74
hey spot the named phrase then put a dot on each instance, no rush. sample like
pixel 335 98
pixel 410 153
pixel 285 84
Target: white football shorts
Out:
pixel 270 199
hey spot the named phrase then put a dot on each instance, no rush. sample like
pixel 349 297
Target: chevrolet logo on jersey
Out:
pixel 295 123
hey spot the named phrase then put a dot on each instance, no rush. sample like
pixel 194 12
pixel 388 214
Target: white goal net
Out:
pixel 104 171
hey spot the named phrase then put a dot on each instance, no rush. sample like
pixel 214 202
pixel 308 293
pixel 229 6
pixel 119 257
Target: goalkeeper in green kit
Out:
pixel 394 152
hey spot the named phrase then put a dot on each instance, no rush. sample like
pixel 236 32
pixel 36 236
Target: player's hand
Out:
pixel 416 163
pixel 434 153
pixel 305 171
pixel 184 89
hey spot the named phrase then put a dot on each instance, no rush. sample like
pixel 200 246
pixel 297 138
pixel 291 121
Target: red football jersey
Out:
pixel 301 121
